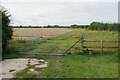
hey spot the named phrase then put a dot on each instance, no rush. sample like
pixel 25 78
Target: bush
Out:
pixel 6 29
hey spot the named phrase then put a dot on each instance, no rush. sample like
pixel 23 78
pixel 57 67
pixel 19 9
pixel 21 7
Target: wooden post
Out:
pixel 82 43
pixel 21 40
pixel 18 38
pixel 41 42
pixel 101 46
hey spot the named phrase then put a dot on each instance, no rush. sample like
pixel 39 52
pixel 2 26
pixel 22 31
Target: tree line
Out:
pixel 98 26
pixel 104 26
pixel 93 26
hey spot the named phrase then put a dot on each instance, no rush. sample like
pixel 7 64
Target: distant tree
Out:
pixel 6 29
pixel 29 26
pixel 49 26
pixel 20 25
pixel 86 26
pixel 56 26
pixel 74 26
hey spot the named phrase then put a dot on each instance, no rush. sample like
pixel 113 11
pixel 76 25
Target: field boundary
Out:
pixel 80 40
pixel 101 46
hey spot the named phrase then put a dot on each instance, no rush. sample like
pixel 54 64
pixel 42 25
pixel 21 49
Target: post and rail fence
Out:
pixel 101 46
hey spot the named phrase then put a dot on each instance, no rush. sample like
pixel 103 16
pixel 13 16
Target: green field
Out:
pixel 82 66
pixel 58 47
pixel 76 66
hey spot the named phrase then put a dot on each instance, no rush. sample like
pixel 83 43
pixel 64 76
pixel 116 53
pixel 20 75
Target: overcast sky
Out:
pixel 61 12
pixel 60 0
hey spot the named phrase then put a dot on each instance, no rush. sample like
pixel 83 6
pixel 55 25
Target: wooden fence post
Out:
pixel 82 43
pixel 18 38
pixel 101 46
pixel 41 42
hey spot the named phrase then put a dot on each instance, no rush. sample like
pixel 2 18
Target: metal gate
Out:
pixel 50 45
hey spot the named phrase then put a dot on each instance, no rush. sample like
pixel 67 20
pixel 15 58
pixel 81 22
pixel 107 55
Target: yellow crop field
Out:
pixel 39 32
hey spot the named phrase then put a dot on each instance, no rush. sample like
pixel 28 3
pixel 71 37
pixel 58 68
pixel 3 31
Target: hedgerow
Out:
pixel 6 29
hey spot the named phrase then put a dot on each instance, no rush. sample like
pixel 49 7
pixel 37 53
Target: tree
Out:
pixel 74 26
pixel 20 25
pixel 6 29
pixel 49 26
pixel 56 26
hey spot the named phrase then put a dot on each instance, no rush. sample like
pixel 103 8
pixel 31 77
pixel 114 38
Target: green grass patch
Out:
pixel 12 70
pixel 24 73
pixel 41 61
pixel 28 75
pixel 38 69
pixel 39 56
pixel 11 56
pixel 83 66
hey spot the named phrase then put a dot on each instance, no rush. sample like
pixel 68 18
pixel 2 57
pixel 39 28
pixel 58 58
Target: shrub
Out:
pixel 6 29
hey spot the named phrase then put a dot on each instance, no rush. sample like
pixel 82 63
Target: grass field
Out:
pixel 74 66
pixel 61 32
pixel 80 66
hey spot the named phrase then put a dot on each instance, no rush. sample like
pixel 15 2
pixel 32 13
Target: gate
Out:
pixel 48 45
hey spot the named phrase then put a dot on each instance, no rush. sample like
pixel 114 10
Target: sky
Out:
pixel 61 12
pixel 60 0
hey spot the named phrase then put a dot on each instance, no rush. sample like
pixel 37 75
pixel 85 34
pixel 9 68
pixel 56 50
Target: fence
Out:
pixel 56 46
pixel 101 46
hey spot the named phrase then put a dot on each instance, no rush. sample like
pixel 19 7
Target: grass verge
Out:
pixel 11 56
